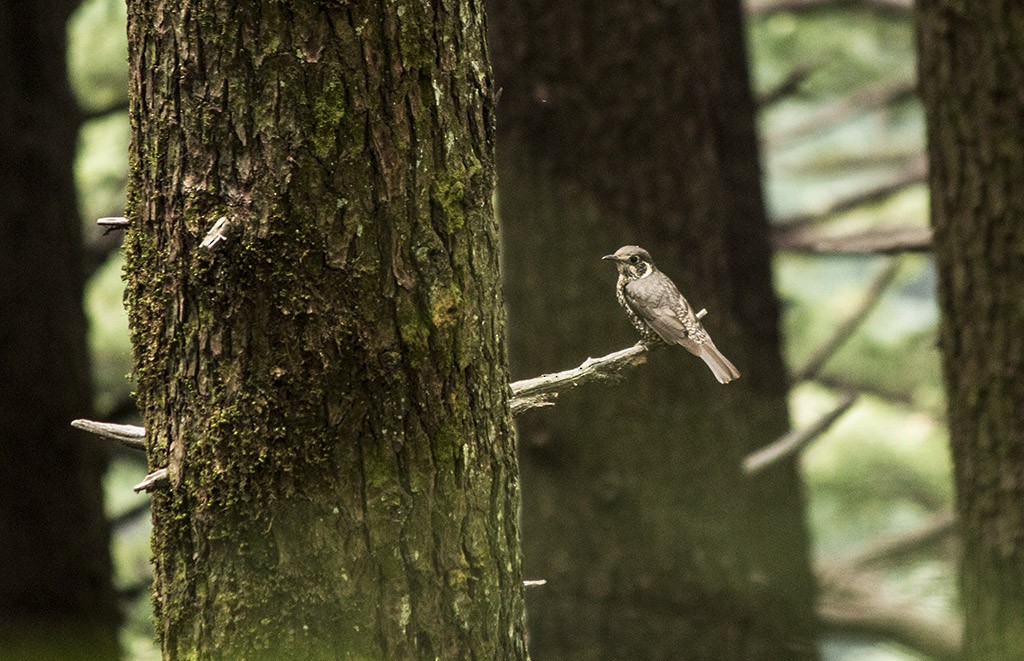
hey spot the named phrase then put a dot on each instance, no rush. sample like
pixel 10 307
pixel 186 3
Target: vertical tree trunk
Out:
pixel 329 386
pixel 972 77
pixel 627 122
pixel 56 598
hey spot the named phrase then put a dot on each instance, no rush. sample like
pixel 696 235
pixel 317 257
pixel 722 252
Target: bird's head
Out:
pixel 632 261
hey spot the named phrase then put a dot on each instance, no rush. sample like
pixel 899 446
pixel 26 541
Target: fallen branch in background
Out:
pixel 796 440
pixel 936 530
pixel 858 603
pixel 788 86
pixel 914 173
pixel 763 8
pixel 877 242
pixel 846 329
pixel 864 100
pixel 890 395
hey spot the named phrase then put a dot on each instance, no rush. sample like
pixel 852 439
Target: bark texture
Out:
pixel 56 597
pixel 633 122
pixel 972 77
pixel 329 387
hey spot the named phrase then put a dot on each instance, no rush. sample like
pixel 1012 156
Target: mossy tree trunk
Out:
pixel 56 596
pixel 329 386
pixel 972 78
pixel 633 122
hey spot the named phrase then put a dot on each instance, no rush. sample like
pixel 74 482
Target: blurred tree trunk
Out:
pixel 328 387
pixel 972 77
pixel 56 597
pixel 626 122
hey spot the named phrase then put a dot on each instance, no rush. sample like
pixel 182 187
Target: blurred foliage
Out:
pixel 883 468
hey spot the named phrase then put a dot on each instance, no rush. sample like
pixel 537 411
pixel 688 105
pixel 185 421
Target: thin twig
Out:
pixel 797 439
pixel 888 394
pixel 847 328
pixel 130 436
pixel 871 242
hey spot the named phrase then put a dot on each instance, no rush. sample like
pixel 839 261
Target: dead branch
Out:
pixel 789 85
pixel 883 392
pixel 797 439
pixel 847 328
pixel 156 479
pixel 130 515
pixel 877 242
pixel 938 528
pixel 764 8
pixel 857 603
pixel 914 173
pixel 118 106
pixel 867 99
pixel 128 435
pixel 543 390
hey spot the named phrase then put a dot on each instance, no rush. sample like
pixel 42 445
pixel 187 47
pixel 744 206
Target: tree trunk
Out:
pixel 56 597
pixel 328 386
pixel 621 123
pixel 972 74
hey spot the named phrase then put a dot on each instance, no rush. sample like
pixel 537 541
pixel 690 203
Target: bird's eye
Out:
pixel 634 259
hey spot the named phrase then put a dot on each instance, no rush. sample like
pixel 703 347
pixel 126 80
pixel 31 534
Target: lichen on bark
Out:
pixel 329 389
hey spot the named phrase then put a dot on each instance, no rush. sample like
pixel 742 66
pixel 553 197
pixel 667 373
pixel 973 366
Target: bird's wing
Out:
pixel 656 308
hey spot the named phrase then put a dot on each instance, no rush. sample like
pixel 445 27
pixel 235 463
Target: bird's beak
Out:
pixel 611 257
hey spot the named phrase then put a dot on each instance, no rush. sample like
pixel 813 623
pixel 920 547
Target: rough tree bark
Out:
pixel 56 597
pixel 972 73
pixel 633 122
pixel 329 385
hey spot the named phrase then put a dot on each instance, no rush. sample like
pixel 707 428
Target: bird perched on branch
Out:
pixel 660 312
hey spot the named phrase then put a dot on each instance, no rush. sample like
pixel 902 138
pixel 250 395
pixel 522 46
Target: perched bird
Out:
pixel 660 312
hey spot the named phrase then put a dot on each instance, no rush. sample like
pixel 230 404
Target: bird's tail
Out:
pixel 723 370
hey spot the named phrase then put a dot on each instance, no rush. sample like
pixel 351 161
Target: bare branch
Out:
pixel 914 173
pixel 763 8
pixel 129 516
pixel 936 529
pixel 796 440
pixel 111 223
pixel 789 85
pixel 858 603
pixel 155 480
pixel 847 328
pixel 100 113
pixel 543 390
pixel 883 392
pixel 130 436
pixel 880 242
pixel 867 99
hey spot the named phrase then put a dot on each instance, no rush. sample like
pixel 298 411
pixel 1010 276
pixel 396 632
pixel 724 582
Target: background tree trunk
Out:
pixel 329 389
pixel 56 597
pixel 626 122
pixel 972 77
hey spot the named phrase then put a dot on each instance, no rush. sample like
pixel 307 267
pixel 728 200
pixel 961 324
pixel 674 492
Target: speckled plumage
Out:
pixel 660 313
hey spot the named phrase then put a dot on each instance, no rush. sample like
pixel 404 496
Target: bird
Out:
pixel 660 313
